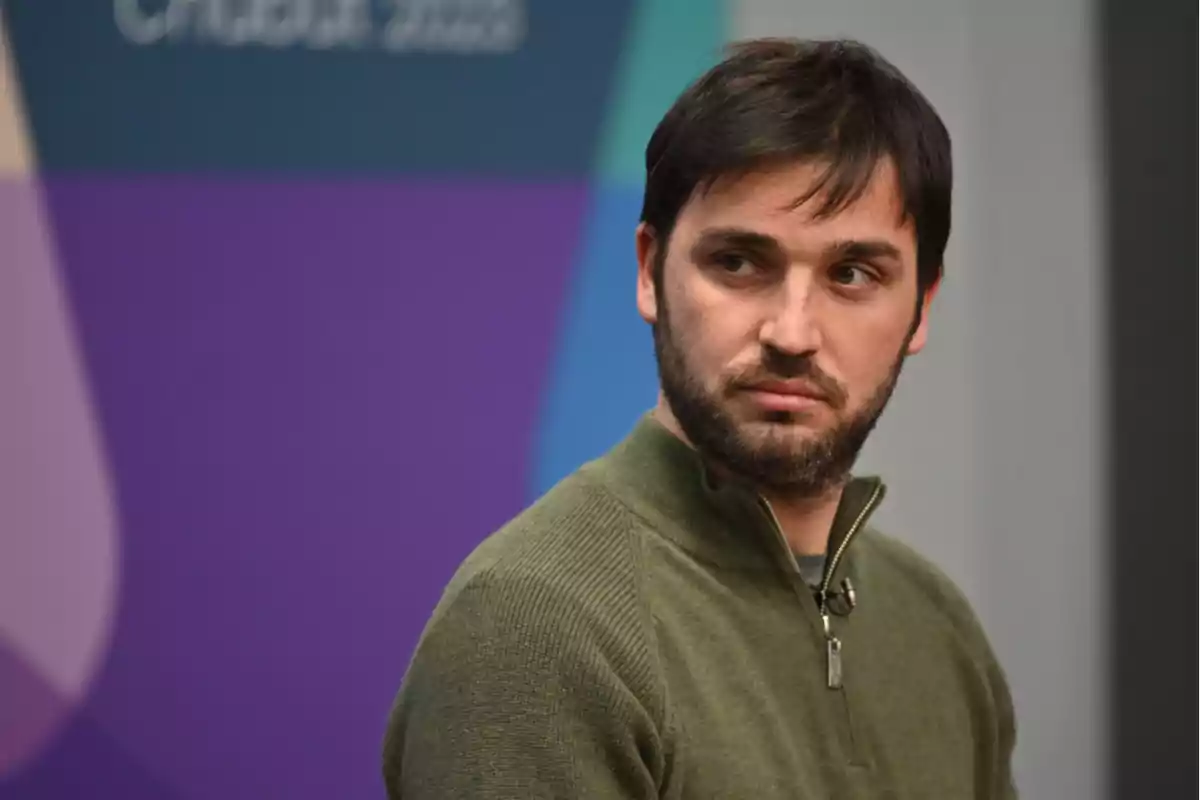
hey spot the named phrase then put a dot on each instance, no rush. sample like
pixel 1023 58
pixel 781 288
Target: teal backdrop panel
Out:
pixel 514 88
pixel 603 375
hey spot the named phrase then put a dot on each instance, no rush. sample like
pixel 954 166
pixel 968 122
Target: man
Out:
pixel 704 611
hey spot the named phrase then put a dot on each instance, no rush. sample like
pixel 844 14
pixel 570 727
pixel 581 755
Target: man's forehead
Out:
pixel 794 193
pixel 769 202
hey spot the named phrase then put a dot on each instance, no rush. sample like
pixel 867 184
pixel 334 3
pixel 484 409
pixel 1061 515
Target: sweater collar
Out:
pixel 668 483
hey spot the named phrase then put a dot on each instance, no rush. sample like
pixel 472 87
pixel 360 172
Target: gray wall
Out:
pixel 993 447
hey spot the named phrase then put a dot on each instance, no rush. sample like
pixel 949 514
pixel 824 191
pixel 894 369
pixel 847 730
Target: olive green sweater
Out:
pixel 643 632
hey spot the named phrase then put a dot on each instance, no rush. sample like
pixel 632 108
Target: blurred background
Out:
pixel 299 299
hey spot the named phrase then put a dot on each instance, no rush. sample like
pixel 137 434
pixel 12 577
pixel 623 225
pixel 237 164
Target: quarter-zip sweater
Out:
pixel 642 631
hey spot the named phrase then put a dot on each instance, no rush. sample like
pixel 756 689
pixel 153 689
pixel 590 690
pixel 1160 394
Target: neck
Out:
pixel 806 521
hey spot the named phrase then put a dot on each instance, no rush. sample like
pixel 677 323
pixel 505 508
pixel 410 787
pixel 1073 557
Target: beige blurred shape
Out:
pixel 58 533
pixel 14 146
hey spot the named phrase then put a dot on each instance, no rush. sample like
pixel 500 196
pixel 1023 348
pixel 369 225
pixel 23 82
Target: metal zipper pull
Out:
pixel 833 656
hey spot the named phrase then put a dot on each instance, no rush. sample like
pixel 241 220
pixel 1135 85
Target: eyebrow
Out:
pixel 734 237
pixel 842 250
pixel 863 250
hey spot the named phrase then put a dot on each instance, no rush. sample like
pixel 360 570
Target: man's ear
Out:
pixel 921 333
pixel 647 246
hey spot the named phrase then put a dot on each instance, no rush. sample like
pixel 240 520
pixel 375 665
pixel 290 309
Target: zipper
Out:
pixel 834 678
pixel 833 645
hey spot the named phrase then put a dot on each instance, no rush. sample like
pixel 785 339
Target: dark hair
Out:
pixel 835 102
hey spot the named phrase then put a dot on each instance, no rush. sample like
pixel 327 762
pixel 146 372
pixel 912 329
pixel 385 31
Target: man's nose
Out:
pixel 791 325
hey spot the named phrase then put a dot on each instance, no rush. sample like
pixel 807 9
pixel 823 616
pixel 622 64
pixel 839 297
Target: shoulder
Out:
pixel 929 590
pixel 574 540
pixel 535 659
pixel 905 568
pixel 562 579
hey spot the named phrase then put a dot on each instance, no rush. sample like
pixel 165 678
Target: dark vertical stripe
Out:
pixel 1148 67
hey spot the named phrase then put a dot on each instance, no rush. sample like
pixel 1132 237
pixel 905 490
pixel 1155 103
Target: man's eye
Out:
pixel 851 275
pixel 734 263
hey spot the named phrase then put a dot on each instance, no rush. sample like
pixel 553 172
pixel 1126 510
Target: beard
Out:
pixel 768 449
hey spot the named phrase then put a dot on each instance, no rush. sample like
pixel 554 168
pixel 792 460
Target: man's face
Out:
pixel 780 336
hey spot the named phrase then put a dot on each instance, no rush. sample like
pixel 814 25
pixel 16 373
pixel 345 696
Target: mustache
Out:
pixel 776 367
